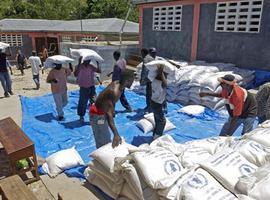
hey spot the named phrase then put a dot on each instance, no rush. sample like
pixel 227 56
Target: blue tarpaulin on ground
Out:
pixel 49 135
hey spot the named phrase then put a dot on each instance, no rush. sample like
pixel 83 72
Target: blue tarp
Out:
pixel 40 124
pixel 49 136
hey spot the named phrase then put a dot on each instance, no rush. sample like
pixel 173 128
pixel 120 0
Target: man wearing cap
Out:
pixel 241 106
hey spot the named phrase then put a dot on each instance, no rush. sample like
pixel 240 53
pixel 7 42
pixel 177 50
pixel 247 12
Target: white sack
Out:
pixel 192 110
pixel 92 178
pixel 86 54
pixel 62 160
pixel 260 135
pixel 169 125
pixel 193 155
pixel 254 152
pixel 171 192
pixel 57 59
pixel 160 168
pixel 210 144
pixel 145 125
pixel 202 186
pixel 100 170
pixel 227 166
pixel 168 67
pixel 167 142
pixel 106 155
pixel 257 184
pixel 3 45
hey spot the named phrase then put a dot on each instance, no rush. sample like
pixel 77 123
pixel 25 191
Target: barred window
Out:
pixel 66 38
pixel 239 16
pixel 12 40
pixel 167 18
pixel 89 38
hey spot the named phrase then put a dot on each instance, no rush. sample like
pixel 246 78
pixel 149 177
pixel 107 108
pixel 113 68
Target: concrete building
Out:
pixel 29 34
pixel 235 31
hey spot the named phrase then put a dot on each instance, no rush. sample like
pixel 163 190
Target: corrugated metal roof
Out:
pixel 147 1
pixel 106 25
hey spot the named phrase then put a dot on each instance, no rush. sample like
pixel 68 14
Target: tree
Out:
pixel 110 9
pixel 66 9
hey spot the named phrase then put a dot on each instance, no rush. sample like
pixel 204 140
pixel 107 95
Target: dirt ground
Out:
pixel 46 188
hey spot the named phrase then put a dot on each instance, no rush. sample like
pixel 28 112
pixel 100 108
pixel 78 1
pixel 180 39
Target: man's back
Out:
pixel 109 96
pixel 35 62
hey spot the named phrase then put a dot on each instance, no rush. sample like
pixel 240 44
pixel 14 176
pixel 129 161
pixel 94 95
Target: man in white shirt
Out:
pixel 159 85
pixel 35 63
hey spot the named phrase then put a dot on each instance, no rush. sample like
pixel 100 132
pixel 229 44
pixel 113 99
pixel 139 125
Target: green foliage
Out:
pixel 66 9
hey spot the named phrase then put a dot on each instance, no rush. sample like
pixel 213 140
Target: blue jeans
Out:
pixel 160 120
pixel 261 119
pixel 36 79
pixel 100 129
pixel 247 126
pixel 5 81
pixel 86 94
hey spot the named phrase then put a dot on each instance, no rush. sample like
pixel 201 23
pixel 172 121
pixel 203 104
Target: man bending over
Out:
pixel 102 112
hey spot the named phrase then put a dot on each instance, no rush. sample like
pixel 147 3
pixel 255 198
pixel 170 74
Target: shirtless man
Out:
pixel 102 111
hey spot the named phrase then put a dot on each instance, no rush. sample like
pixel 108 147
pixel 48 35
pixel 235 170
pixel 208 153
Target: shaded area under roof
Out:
pixel 106 25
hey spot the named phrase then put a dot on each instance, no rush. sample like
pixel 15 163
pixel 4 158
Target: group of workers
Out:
pixel 242 106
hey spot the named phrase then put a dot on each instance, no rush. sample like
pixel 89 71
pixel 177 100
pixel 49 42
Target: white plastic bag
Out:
pixel 260 135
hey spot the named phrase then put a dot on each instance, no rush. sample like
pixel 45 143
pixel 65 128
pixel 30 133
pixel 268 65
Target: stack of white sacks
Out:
pixel 217 168
pixel 186 81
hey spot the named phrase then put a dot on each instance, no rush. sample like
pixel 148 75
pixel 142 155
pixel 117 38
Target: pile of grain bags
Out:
pixel 186 81
pixel 216 168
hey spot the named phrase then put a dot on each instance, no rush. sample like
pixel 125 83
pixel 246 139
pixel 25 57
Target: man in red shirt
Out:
pixel 241 106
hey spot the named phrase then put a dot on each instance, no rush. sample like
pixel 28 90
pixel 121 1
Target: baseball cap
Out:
pixel 227 77
pixel 152 49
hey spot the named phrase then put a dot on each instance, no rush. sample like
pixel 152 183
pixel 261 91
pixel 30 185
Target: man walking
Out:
pixel 102 112
pixel 241 106
pixel 21 61
pixel 35 63
pixel 85 74
pixel 57 77
pixel 4 75
pixel 119 67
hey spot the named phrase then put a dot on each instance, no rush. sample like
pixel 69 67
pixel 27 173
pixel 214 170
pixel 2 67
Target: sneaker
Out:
pixel 10 92
pixel 6 94
pixel 38 86
pixel 60 118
